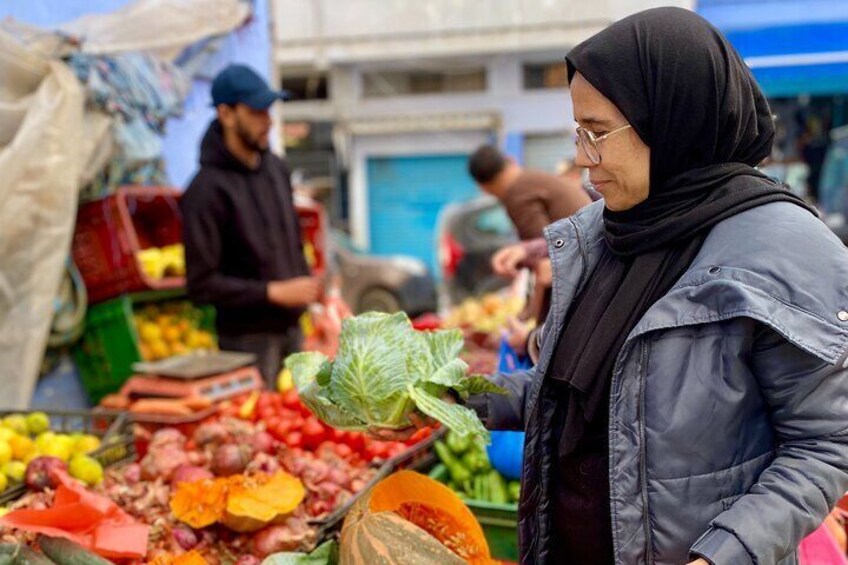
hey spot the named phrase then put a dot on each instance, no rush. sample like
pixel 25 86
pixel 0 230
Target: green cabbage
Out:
pixel 384 371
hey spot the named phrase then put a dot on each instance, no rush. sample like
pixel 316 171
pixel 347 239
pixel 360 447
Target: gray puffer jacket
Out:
pixel 728 417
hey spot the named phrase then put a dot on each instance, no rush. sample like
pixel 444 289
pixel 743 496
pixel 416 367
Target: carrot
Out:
pixel 197 403
pixel 115 402
pixel 160 406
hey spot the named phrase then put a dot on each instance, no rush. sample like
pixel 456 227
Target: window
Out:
pixel 308 87
pixel 403 83
pixel 538 76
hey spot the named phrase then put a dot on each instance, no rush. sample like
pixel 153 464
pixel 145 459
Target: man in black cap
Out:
pixel 240 227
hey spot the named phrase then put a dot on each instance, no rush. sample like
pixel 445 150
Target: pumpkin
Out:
pixel 411 519
pixel 200 503
pixel 256 501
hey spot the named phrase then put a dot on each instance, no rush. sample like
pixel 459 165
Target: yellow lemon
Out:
pixel 21 447
pixel 149 332
pixel 86 444
pixel 16 423
pixel 43 439
pixel 86 469
pixel 6 434
pixel 37 422
pixel 14 471
pixel 159 349
pixel 5 452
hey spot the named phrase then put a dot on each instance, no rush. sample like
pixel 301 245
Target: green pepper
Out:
pixel 457 471
pixel 457 443
pixel 514 488
pixel 439 473
pixel 497 486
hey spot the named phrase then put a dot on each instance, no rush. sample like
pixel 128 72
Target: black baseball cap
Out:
pixel 239 84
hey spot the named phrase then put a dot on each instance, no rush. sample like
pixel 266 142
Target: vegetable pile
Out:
pixel 384 371
pixel 466 469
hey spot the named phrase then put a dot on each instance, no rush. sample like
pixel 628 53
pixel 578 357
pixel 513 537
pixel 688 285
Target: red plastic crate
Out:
pixel 313 231
pixel 111 231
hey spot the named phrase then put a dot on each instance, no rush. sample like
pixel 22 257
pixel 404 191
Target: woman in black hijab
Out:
pixel 670 126
pixel 690 403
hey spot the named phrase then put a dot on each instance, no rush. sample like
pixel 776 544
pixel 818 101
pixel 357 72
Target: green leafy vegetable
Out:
pixel 384 371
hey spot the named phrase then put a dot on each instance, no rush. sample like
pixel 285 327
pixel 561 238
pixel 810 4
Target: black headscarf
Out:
pixel 694 103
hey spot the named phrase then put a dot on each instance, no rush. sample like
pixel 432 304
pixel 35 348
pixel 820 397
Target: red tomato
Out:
pixel 342 450
pixel 293 439
pixel 313 432
pixel 290 399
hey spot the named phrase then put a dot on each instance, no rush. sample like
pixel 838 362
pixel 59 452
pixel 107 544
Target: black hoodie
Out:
pixel 240 230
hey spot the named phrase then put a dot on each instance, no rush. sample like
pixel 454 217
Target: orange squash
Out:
pixel 259 500
pixel 200 503
pixel 411 519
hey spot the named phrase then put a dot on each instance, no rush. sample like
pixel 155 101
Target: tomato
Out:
pixel 342 450
pixel 356 440
pixel 293 439
pixel 313 432
pixel 376 449
pixel 290 399
pixel 395 449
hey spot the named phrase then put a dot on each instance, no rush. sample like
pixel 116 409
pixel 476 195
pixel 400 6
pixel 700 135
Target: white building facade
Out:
pixel 411 88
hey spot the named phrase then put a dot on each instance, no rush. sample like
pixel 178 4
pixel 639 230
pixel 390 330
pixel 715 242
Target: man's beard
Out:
pixel 254 144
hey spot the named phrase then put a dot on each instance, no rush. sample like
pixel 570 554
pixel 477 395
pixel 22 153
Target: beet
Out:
pixel 231 459
pixel 189 474
pixel 38 472
pixel 248 560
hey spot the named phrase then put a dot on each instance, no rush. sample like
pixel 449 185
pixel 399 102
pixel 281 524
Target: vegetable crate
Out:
pixel 111 344
pixel 113 428
pixel 110 232
pixel 499 521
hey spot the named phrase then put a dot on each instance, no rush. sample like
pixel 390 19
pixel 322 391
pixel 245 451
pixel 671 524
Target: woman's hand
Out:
pixel 700 562
pixel 386 434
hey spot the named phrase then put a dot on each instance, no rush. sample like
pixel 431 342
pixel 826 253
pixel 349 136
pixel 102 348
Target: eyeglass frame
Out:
pixel 595 141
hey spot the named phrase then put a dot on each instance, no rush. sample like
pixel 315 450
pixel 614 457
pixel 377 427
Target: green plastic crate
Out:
pixel 109 346
pixel 500 526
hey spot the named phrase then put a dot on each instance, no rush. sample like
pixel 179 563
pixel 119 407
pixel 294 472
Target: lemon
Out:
pixel 43 439
pixel 86 444
pixel 149 332
pixel 37 422
pixel 5 453
pixel 159 349
pixel 14 471
pixel 21 447
pixel 6 434
pixel 61 447
pixel 86 469
pixel 17 423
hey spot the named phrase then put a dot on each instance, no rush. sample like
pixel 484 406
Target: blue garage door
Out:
pixel 405 197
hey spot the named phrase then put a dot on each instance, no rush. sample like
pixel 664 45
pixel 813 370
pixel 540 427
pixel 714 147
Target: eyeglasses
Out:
pixel 590 143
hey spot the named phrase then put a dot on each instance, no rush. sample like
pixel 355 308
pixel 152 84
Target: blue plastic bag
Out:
pixel 507 448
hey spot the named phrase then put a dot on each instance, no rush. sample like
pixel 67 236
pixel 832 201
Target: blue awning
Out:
pixel 790 52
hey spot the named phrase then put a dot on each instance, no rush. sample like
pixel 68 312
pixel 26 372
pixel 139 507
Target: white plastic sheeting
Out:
pixel 42 129
pixel 162 27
